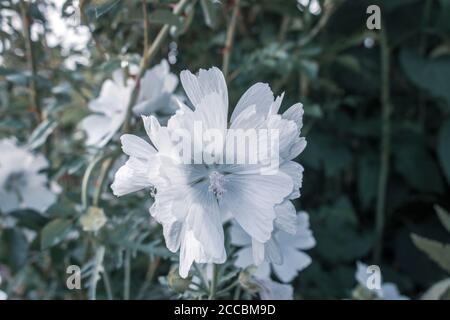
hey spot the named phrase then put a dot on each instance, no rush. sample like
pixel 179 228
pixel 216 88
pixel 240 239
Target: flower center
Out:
pixel 216 182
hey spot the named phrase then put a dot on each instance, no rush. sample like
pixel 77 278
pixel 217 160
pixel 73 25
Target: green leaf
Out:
pixel 209 12
pixel 432 75
pixel 54 232
pixel 438 252
pixel 409 156
pixel 162 16
pixel 104 7
pixel 40 134
pixel 444 216
pixel 16 246
pixel 443 148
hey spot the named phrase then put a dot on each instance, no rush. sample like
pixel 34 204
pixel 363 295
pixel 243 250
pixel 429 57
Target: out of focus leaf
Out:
pixel 418 168
pixel 162 16
pixel 444 217
pixel 432 75
pixel 438 252
pixel 443 148
pixel 40 134
pixel 54 232
pixel 16 246
pixel 437 291
pixel 103 6
pixel 209 12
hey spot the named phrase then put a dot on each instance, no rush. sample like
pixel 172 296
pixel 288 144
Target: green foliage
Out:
pixel 438 252
pixel 328 61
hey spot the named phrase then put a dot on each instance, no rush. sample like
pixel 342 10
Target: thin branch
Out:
pixel 385 145
pixel 34 98
pixel 229 39
pixel 146 25
pixel 147 57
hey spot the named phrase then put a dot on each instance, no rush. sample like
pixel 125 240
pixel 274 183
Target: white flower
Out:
pixel 283 251
pixel 156 93
pixel 192 200
pixel 388 290
pixel 3 295
pixel 22 185
pixel 272 290
pixel 109 110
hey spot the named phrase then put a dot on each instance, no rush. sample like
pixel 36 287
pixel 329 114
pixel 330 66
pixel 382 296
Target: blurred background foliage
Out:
pixel 353 96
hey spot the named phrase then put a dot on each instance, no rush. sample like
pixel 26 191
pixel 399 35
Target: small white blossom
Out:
pixel 109 110
pixel 156 93
pixel 282 253
pixel 388 290
pixel 22 184
pixel 192 200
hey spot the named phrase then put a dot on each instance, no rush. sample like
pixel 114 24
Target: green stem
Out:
pixel 106 165
pixel 34 98
pixel 87 175
pixel 202 276
pixel 107 283
pixel 385 145
pixel 229 38
pixel 213 286
pixel 127 271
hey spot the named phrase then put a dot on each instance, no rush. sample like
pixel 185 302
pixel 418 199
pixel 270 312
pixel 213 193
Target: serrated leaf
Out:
pixel 40 134
pixel 438 252
pixel 54 232
pixel 444 216
pixel 443 148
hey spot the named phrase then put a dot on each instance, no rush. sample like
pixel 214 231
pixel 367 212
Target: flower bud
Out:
pixel 176 282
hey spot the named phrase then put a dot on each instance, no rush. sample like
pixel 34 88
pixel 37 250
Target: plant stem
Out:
pixel 86 178
pixel 146 25
pixel 385 145
pixel 213 286
pixel 106 165
pixel 127 271
pixel 34 98
pixel 229 38
pixel 107 284
pixel 98 266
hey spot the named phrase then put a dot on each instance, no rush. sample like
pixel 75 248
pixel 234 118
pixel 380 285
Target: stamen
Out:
pixel 216 182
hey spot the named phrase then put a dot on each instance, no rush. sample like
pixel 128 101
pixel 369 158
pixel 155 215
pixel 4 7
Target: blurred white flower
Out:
pixel 3 295
pixel 388 290
pixel 22 185
pixel 192 200
pixel 156 91
pixel 272 290
pixel 109 110
pixel 282 252
pixel 312 5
